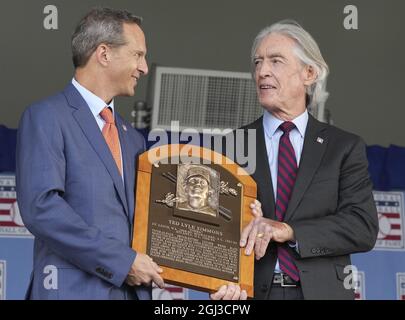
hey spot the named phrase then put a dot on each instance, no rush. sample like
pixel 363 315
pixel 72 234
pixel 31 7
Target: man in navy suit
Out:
pixel 76 196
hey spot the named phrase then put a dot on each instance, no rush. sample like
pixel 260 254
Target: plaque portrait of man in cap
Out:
pixel 198 189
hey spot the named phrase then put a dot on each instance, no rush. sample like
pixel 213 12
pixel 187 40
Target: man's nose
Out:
pixel 143 67
pixel 264 70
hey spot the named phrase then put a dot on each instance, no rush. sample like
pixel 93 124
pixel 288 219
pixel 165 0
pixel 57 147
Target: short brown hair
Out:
pixel 100 25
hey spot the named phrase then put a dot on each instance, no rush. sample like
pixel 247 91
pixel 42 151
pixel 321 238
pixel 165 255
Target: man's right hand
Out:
pixel 144 271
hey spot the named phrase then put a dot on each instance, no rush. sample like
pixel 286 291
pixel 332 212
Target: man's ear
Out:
pixel 310 75
pixel 102 54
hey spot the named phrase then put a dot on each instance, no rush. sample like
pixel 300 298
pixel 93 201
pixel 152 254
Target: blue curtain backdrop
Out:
pixel 381 272
pixel 8 139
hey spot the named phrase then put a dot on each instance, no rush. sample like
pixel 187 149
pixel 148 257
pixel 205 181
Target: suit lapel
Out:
pixel 315 144
pixel 262 173
pixel 128 165
pixel 89 126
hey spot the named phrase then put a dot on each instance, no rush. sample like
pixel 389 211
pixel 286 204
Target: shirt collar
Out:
pixel 271 123
pixel 95 103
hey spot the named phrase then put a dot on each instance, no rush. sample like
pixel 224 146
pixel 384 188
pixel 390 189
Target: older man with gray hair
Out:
pixel 316 205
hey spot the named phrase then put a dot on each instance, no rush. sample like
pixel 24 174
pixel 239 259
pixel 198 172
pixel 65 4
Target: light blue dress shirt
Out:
pixel 96 105
pixel 272 135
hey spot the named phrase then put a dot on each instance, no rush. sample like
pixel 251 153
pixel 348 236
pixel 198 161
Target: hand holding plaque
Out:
pixel 189 217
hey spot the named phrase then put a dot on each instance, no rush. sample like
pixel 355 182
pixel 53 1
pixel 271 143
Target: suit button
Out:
pixel 104 272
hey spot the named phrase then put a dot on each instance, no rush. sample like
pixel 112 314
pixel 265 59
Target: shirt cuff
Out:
pixel 294 245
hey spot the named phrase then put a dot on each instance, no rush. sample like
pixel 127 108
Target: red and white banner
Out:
pixel 390 208
pixel 401 286
pixel 359 285
pixel 170 292
pixel 11 224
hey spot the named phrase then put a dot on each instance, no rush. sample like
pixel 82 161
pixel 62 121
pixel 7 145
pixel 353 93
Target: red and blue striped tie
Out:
pixel 287 172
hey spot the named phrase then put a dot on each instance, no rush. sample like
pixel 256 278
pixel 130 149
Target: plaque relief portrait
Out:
pixel 198 189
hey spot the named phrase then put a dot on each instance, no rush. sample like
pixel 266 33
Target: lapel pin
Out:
pixel 124 127
pixel 319 140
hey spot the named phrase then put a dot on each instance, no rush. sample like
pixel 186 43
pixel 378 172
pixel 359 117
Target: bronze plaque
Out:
pixel 189 217
pixel 193 226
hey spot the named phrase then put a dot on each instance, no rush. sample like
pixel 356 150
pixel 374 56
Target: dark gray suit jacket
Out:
pixel 331 210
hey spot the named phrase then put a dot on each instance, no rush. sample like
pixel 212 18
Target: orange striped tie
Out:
pixel 110 133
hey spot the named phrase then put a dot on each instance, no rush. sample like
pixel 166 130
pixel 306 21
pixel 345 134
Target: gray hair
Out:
pixel 100 25
pixel 306 50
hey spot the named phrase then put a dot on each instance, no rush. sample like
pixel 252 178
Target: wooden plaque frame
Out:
pixel 139 241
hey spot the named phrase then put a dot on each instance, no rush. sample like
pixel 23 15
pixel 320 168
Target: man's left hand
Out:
pixel 229 292
pixel 260 231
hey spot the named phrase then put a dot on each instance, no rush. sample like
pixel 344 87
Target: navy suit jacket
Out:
pixel 73 200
